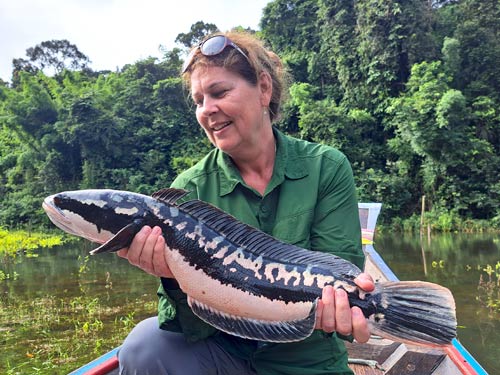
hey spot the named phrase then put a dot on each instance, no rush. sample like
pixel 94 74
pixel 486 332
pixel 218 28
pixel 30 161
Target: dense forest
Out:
pixel 409 90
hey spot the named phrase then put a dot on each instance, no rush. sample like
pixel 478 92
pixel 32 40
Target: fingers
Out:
pixel 123 253
pixel 160 264
pixel 365 282
pixel 342 313
pixel 360 330
pixel 147 251
pixel 137 245
pixel 335 314
pixel 146 256
pixel 327 322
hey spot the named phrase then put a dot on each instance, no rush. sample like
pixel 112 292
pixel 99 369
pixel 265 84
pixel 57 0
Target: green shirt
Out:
pixel 310 202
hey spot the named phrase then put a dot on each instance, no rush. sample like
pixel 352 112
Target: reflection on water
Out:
pixel 62 308
pixel 68 269
pixel 65 274
pixel 456 261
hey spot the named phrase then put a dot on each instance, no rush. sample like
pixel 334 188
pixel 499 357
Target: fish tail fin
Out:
pixel 415 312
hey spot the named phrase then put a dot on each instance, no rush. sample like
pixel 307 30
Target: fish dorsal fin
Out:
pixel 170 195
pixel 263 330
pixel 260 243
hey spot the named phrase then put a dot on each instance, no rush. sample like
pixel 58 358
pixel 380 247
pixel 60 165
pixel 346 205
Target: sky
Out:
pixel 113 33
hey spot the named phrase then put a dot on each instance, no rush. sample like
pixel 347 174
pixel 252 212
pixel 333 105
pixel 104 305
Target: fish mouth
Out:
pixel 56 215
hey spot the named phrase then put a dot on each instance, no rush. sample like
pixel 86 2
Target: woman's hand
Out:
pixel 147 251
pixel 335 314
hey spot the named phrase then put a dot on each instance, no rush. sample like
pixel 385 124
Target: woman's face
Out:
pixel 229 109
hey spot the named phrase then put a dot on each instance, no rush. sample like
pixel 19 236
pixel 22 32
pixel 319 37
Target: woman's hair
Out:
pixel 259 60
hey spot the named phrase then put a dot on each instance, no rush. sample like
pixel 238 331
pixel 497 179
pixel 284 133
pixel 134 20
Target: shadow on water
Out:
pixel 459 262
pixel 61 308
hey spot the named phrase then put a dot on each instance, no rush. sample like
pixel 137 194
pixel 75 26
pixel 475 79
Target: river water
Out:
pixel 63 281
pixel 459 262
pixel 60 308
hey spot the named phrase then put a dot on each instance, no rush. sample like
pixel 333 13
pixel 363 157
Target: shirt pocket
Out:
pixel 295 229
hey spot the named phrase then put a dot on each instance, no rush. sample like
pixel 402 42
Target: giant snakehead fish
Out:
pixel 242 280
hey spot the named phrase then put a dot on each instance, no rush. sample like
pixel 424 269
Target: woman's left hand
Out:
pixel 334 313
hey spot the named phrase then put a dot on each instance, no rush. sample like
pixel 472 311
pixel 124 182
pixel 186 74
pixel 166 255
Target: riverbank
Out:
pixel 440 222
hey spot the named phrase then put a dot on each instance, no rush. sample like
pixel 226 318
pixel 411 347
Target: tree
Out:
pixel 457 167
pixel 369 78
pixel 339 49
pixel 393 35
pixel 479 38
pixel 51 56
pixel 31 109
pixel 290 25
pixel 199 30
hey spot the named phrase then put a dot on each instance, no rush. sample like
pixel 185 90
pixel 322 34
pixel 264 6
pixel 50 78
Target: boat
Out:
pixel 378 356
pixel 381 356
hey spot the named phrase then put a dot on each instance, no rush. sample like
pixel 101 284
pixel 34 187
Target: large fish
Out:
pixel 245 282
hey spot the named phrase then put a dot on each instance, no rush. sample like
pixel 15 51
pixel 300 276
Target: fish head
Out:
pixel 96 215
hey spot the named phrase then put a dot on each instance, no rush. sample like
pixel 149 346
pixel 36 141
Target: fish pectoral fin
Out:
pixel 120 240
pixel 254 329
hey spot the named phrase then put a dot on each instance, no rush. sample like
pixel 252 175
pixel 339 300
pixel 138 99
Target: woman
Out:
pixel 299 192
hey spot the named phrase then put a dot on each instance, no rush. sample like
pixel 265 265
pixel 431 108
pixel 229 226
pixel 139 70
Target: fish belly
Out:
pixel 228 299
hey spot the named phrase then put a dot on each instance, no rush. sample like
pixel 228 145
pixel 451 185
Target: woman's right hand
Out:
pixel 147 251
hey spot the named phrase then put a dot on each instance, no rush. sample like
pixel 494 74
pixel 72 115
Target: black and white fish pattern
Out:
pixel 245 282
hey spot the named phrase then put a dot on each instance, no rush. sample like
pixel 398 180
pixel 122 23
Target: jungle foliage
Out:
pixel 408 90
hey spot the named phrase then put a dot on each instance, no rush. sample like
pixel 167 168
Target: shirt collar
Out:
pixel 229 176
pixel 287 164
pixel 288 156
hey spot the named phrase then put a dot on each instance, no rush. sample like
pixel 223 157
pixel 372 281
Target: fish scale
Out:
pixel 191 250
pixel 245 282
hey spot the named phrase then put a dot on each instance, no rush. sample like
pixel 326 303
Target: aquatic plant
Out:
pixel 58 311
pixel 489 288
pixel 69 331
pixel 16 241
pixel 8 276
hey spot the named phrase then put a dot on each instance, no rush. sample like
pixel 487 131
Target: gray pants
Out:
pixel 150 350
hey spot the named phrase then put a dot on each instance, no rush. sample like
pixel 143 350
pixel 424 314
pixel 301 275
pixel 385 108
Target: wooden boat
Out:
pixel 381 356
pixel 376 357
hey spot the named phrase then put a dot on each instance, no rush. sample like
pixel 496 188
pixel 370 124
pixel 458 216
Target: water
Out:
pixel 62 308
pixel 67 270
pixel 83 306
pixel 457 261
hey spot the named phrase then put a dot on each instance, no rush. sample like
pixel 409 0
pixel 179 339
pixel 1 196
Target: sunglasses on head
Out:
pixel 211 47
